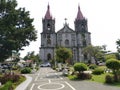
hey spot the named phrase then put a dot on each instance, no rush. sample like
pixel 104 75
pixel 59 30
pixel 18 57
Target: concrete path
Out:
pixel 24 85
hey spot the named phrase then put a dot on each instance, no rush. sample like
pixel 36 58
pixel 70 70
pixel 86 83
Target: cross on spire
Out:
pixel 65 20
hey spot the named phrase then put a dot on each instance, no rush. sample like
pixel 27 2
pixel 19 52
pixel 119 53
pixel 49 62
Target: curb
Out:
pixel 24 85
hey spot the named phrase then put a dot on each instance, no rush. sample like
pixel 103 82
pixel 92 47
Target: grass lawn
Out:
pixel 101 79
pixel 98 78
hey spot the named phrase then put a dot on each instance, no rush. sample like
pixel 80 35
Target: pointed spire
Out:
pixel 48 15
pixel 79 14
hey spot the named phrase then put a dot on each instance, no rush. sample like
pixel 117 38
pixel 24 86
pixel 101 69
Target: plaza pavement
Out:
pixel 77 85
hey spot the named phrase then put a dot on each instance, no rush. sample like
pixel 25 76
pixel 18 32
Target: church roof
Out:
pixel 79 14
pixel 66 29
pixel 48 15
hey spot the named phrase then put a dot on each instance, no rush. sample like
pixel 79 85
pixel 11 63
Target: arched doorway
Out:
pixel 49 56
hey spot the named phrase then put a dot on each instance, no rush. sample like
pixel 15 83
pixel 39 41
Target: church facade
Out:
pixel 75 39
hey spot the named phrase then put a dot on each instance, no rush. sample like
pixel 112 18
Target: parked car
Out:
pixel 45 65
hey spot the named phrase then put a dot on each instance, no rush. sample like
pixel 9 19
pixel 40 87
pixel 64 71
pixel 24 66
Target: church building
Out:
pixel 76 39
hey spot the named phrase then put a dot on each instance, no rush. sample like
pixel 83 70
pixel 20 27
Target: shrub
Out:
pixel 109 79
pixel 37 68
pixel 92 66
pixel 83 76
pixel 115 66
pixel 26 70
pixel 116 78
pixel 80 67
pixel 53 67
pixel 14 68
pixel 9 77
pixel 98 71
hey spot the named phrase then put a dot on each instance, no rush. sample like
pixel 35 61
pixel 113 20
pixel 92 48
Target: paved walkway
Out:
pixel 38 80
pixel 24 85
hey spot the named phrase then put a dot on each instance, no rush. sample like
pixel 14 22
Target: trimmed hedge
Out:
pixel 98 71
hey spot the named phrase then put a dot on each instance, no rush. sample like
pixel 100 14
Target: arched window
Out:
pixel 66 42
pixel 48 41
pixel 48 26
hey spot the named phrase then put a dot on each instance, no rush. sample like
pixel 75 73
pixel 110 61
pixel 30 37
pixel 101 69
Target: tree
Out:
pixel 110 56
pixel 94 51
pixel 115 66
pixel 63 54
pixel 118 45
pixel 32 56
pixel 118 49
pixel 16 29
pixel 117 54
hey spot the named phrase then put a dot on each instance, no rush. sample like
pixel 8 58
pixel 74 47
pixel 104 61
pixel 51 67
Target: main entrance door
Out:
pixel 49 57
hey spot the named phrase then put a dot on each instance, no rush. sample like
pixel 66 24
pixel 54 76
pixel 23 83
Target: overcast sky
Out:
pixel 103 18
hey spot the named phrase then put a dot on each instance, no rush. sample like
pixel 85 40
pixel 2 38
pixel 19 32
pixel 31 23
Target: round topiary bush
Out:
pixel 113 64
pixel 80 67
pixel 26 70
pixel 98 71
